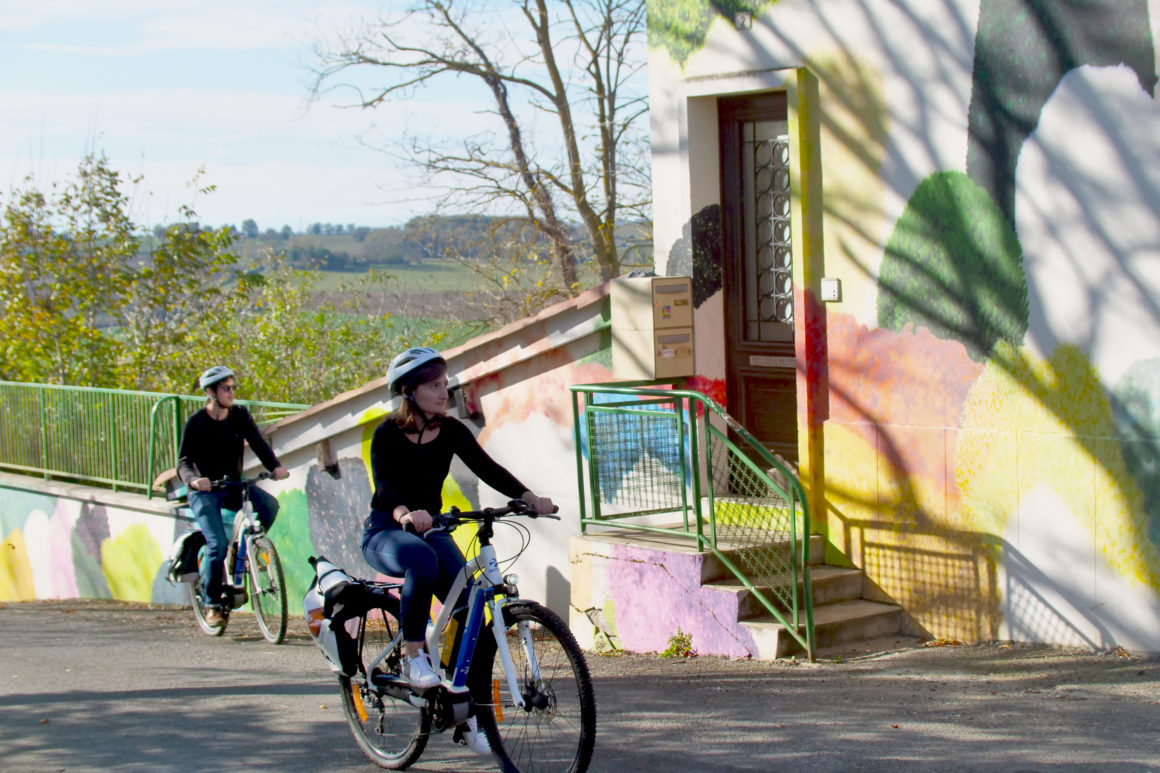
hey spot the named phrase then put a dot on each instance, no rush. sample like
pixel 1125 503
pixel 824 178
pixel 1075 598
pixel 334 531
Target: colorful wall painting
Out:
pixel 989 188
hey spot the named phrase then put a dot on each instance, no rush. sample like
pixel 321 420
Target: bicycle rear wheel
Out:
pixel 391 733
pixel 556 729
pixel 197 602
pixel 268 589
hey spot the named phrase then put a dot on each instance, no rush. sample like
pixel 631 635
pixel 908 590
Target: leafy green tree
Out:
pixel 66 260
pixel 287 347
pixel 250 228
pixel 89 298
pixel 179 286
pixel 85 301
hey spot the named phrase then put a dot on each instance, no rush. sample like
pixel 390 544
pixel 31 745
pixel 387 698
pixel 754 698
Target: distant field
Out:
pixel 419 329
pixel 431 275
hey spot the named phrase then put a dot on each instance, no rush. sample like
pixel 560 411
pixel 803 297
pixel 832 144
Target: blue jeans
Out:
pixel 427 565
pixel 207 511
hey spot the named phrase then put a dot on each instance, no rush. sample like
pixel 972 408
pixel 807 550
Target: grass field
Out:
pixel 431 275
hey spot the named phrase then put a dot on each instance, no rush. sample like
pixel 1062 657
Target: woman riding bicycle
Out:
pixel 411 455
pixel 211 449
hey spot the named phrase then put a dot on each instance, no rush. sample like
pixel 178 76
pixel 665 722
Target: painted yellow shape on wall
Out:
pixel 130 562
pixel 1031 422
pixel 16 581
pixel 854 134
pixel 909 539
pixel 370 420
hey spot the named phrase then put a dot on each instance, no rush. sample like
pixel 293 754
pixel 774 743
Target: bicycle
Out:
pixel 527 685
pixel 252 564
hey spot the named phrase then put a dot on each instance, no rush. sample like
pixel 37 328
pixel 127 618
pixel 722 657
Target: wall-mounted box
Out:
pixel 652 327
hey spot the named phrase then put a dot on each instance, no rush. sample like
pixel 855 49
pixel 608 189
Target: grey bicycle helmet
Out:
pixel 406 364
pixel 214 375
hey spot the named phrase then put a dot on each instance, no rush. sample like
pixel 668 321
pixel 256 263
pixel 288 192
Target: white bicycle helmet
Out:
pixel 214 375
pixel 406 363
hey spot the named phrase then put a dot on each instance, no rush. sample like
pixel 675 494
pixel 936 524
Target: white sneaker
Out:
pixel 419 673
pixel 473 737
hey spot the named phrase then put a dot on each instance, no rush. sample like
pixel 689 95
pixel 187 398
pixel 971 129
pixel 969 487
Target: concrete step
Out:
pixel 834 624
pixel 830 584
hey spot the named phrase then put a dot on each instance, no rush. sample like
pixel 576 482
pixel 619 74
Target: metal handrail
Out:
pixel 644 406
pixel 96 435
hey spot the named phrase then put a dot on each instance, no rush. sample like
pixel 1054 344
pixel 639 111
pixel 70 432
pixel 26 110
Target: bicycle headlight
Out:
pixel 511 583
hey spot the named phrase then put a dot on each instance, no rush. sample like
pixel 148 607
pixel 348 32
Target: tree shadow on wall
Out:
pixel 953 263
pixel 338 505
pixel 977 588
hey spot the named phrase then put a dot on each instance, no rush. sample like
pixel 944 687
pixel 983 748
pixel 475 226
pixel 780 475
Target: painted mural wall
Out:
pixel 68 541
pixel 990 194
pixel 56 541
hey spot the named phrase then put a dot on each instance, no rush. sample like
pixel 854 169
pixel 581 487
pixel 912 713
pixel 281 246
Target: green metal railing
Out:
pixel 108 437
pixel 653 451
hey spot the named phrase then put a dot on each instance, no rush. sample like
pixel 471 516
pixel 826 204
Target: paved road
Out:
pixel 104 687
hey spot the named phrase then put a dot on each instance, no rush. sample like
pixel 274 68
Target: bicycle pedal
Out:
pixel 383 679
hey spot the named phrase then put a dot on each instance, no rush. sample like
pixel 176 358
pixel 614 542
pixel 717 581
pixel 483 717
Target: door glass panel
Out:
pixel 768 279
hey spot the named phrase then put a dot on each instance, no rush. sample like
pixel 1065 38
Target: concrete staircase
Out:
pixel 673 585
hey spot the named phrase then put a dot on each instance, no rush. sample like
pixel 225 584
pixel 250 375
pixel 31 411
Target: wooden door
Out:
pixel 757 258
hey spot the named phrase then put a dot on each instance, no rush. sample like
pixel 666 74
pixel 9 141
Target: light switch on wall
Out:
pixel 831 289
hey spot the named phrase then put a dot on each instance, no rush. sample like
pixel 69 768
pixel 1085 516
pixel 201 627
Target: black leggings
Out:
pixel 428 566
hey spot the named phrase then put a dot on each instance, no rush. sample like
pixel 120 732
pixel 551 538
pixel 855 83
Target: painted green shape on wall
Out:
pixel 1136 408
pixel 130 560
pixel 1022 50
pixel 681 26
pixel 291 535
pixel 90 578
pixel 954 265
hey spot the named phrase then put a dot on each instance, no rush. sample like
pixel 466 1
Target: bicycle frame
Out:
pixel 545 692
pixel 246 527
pixel 482 576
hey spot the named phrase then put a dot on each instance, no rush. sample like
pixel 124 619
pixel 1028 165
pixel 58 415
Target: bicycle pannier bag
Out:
pixel 183 556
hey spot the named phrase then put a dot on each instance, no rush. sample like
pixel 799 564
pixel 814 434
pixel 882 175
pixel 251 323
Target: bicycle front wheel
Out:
pixel 268 589
pixel 391 733
pixel 556 728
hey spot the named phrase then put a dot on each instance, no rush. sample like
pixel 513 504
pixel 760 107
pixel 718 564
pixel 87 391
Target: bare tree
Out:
pixel 579 61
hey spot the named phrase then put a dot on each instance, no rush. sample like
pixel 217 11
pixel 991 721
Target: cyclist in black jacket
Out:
pixel 411 454
pixel 211 449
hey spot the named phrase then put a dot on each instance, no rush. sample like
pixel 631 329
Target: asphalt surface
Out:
pixel 117 687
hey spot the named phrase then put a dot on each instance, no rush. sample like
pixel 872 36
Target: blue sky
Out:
pixel 168 87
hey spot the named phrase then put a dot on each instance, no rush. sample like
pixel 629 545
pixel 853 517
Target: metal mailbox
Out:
pixel 652 327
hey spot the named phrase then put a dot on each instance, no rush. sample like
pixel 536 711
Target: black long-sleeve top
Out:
pixel 213 449
pixel 412 475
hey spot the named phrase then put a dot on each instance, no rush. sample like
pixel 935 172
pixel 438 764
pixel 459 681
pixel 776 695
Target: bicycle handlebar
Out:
pixel 218 485
pixel 455 517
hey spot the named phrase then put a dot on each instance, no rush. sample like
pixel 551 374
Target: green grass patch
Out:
pixel 429 276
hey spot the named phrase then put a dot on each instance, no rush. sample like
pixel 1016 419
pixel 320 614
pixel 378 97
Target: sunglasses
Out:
pixel 228 387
